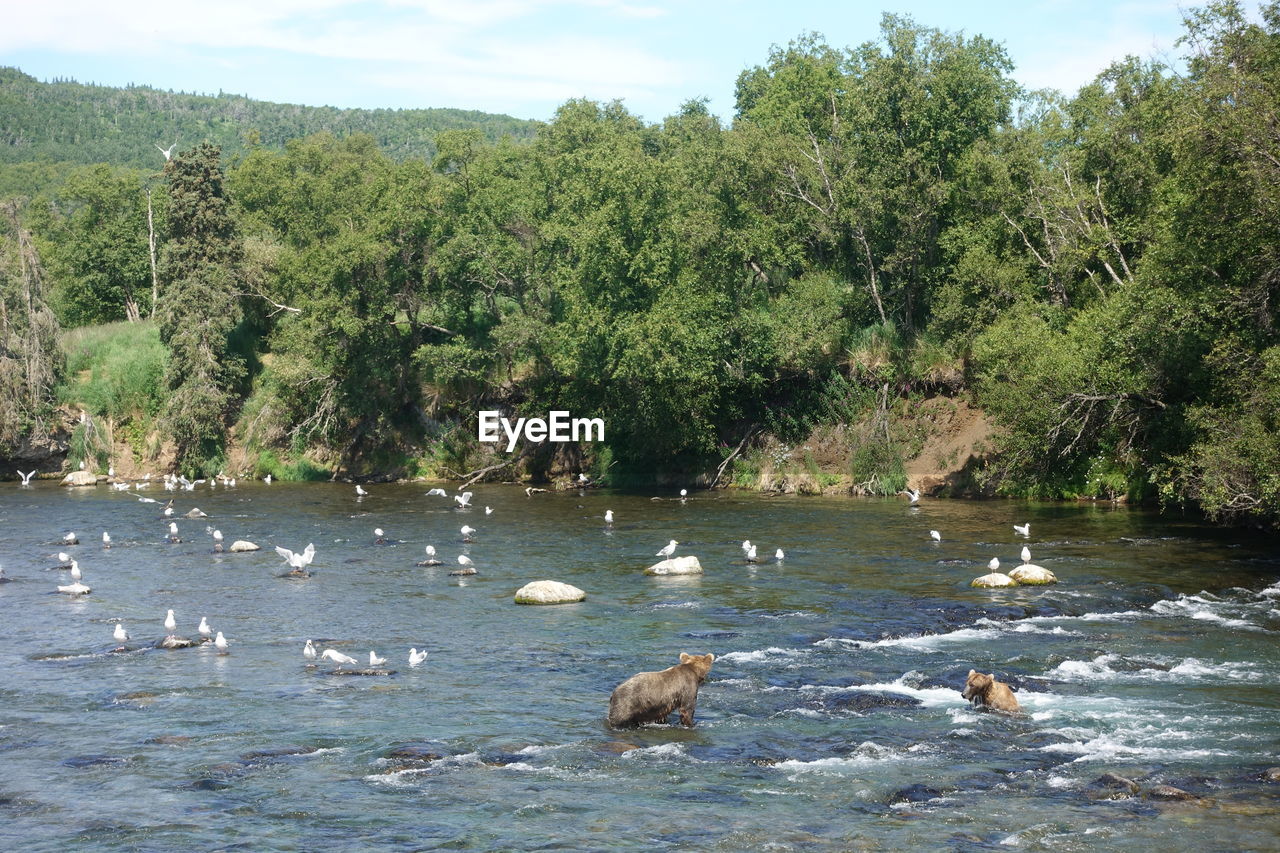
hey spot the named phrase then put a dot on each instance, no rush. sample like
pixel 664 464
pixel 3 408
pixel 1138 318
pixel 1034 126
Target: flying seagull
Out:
pixel 167 152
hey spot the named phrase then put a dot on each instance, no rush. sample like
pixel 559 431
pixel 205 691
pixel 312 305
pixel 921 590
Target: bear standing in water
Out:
pixel 985 692
pixel 649 697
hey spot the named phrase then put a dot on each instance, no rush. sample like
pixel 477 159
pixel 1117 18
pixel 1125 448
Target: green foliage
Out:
pixel 30 361
pixel 115 371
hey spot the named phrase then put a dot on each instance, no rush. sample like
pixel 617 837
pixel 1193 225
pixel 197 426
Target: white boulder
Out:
pixel 676 566
pixel 240 546
pixel 1033 575
pixel 548 592
pixel 995 579
pixel 80 478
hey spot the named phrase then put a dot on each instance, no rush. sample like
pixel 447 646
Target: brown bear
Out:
pixel 985 692
pixel 649 697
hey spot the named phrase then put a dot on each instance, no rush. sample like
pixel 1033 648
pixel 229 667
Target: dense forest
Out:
pixel 47 127
pixel 877 225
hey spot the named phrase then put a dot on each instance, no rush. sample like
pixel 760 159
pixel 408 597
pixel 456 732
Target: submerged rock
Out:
pixel 240 546
pixel 676 566
pixel 413 754
pixel 548 592
pixel 1271 774
pixel 995 579
pixel 176 643
pixel 868 701
pixel 276 753
pixel 1033 575
pixel 1169 793
pixel 1110 786
pixel 367 671
pixel 81 761
pixel 916 793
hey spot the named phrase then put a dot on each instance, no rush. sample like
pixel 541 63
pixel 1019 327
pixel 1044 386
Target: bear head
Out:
pixel 701 664
pixel 976 685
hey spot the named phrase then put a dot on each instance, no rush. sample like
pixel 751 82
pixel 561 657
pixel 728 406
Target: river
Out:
pixel 832 717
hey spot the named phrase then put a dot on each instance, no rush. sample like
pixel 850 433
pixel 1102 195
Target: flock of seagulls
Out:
pixel 300 561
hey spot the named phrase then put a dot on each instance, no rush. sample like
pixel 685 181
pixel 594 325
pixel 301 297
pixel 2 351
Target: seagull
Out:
pixel 1022 529
pixel 168 511
pixel 416 657
pixel 582 478
pixel 70 539
pixel 464 499
pixel 217 541
pixel 912 494
pixel 751 555
pixel 111 471
pixel 121 635
pixel 377 536
pixel 360 492
pixel 668 549
pixel 309 651
pixel 267 479
pixel 468 567
pixel 220 643
pixel 684 493
pixel 167 152
pixel 173 532
pixel 204 629
pixel 466 532
pixel 106 539
pixel 488 510
pixel 779 556
pixel 337 657
pixel 65 559
pixel 431 557
pixel 26 478
pixel 746 545
pixel 608 516
pixel 530 491
pixel 374 660
pixel 1026 554
pixel 935 536
pixel 441 493
pixel 76 574
pixel 170 624
pixel 298 562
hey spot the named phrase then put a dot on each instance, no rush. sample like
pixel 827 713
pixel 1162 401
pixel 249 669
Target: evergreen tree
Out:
pixel 199 307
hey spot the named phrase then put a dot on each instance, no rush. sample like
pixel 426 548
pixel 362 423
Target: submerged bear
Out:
pixel 985 692
pixel 650 697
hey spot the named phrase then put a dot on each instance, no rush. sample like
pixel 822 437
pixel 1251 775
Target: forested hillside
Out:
pixel 65 122
pixel 878 225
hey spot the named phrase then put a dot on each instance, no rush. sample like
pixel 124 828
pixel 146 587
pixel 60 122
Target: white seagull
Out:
pixel 468 567
pixel 220 643
pixel 173 532
pixel 217 541
pixel 779 556
pixel 26 478
pixel 309 651
pixel 377 535
pixel 360 492
pixel 374 660
pixel 466 530
pixel 267 479
pixel 608 516
pixel 204 629
pixel 298 562
pixel 106 539
pixel 431 557
pixel 1022 529
pixel 121 635
pixel 684 493
pixel 912 494
pixel 167 152
pixel 751 555
pixel 1026 554
pixel 70 539
pixel 488 510
pixel 746 545
pixel 935 536
pixel 464 499
pixel 440 493
pixel 668 549
pixel 170 624
pixel 337 657
pixel 416 657
pixel 76 574
pixel 65 559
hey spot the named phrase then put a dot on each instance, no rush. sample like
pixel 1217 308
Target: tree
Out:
pixel 199 307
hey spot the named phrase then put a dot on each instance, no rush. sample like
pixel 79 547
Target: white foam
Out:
pixel 677 605
pixel 867 754
pixel 1157 669
pixel 760 655
pixel 661 751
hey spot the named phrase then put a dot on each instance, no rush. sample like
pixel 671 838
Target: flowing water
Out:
pixel 832 718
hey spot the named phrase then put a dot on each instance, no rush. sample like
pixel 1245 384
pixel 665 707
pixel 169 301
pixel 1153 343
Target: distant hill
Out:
pixel 65 122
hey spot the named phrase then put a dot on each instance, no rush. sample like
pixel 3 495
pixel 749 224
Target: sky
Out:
pixel 526 57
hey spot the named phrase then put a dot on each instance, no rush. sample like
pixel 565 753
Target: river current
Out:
pixel 832 717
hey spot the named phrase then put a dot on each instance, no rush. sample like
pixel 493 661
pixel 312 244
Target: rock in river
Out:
pixel 548 592
pixel 676 566
pixel 1033 575
pixel 240 546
